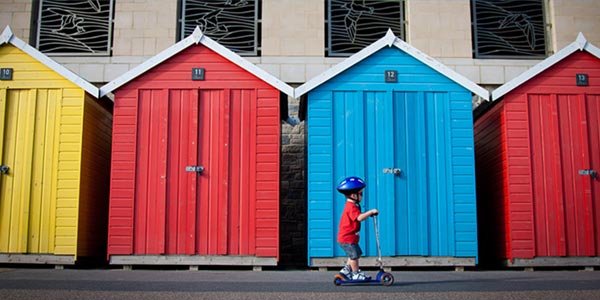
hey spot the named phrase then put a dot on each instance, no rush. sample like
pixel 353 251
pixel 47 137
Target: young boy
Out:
pixel 348 233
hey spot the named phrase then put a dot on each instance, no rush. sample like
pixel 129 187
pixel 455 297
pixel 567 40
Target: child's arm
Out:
pixel 367 214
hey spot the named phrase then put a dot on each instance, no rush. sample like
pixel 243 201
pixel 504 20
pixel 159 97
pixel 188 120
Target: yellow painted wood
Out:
pixel 50 203
pixel 5 180
pixel 51 189
pixel 15 186
pixel 43 201
pixel 42 214
pixel 39 208
pixel 2 120
pixel 69 171
pixel 25 135
pixel 37 214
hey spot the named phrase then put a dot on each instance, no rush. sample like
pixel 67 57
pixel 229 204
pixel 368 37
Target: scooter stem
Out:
pixel 377 240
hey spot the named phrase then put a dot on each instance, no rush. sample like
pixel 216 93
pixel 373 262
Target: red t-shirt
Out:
pixel 349 225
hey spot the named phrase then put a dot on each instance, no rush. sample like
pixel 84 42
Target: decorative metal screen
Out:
pixel 355 24
pixel 75 27
pixel 232 23
pixel 508 28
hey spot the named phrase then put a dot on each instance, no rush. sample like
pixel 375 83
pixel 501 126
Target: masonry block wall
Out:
pixel 292 235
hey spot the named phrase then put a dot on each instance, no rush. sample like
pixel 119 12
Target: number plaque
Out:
pixel 6 74
pixel 197 73
pixel 391 76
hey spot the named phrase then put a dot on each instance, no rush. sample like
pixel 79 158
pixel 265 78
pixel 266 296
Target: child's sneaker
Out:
pixel 346 271
pixel 359 276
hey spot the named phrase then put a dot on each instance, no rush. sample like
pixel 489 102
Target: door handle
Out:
pixel 395 171
pixel 4 169
pixel 197 169
pixel 589 172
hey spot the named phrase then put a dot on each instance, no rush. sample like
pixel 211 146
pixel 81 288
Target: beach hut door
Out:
pixel 28 152
pixel 566 139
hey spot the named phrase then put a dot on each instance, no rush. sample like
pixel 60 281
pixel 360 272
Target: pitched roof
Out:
pixel 9 38
pixel 390 40
pixel 580 44
pixel 195 38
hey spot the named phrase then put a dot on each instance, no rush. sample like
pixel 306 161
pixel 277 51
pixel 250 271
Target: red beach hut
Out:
pixel 538 163
pixel 195 159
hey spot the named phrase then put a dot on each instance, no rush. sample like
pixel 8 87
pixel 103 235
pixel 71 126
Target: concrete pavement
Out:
pixel 36 283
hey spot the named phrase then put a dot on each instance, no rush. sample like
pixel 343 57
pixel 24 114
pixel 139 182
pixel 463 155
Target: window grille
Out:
pixel 233 23
pixel 354 24
pixel 74 27
pixel 508 28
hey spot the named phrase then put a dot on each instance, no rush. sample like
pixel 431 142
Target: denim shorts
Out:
pixel 352 250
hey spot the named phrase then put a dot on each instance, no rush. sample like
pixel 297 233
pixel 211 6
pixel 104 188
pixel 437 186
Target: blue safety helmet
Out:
pixel 351 185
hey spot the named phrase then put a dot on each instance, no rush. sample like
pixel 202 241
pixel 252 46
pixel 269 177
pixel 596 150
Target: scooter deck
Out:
pixel 382 278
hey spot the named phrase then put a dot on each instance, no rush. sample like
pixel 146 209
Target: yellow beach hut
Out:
pixel 55 139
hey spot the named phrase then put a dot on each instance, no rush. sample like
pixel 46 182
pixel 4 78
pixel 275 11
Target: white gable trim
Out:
pixel 446 71
pixel 580 44
pixel 9 38
pixel 387 40
pixel 196 37
pixel 390 40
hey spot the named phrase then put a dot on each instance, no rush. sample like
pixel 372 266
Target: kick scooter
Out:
pixel 382 277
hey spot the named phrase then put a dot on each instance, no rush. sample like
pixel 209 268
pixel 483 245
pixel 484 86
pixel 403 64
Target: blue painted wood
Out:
pixel 358 125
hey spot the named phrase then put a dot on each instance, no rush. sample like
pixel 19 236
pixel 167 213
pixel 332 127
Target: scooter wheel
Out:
pixel 387 279
pixel 337 280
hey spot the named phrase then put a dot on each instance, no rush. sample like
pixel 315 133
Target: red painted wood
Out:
pixel 518 206
pixel 551 132
pixel 547 174
pixel 593 119
pixel 564 218
pixel 150 210
pixel 183 148
pixel 192 179
pixel 205 158
pixel 229 124
pixel 121 205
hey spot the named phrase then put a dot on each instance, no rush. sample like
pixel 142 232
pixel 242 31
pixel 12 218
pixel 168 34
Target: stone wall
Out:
pixel 293 207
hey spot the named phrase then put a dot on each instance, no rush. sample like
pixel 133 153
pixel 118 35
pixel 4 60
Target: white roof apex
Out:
pixel 390 40
pixel 8 37
pixel 197 37
pixel 580 44
pixel 581 41
pixel 390 37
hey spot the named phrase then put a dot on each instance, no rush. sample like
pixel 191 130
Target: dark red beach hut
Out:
pixel 538 163
pixel 195 159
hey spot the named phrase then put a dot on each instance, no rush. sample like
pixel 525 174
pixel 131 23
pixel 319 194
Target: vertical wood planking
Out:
pixel 231 208
pixel 151 163
pixel 204 158
pixel 222 202
pixel 593 119
pixel 175 147
pixel 192 178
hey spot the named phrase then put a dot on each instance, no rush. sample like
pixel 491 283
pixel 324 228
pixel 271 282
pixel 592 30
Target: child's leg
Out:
pixel 354 252
pixel 353 264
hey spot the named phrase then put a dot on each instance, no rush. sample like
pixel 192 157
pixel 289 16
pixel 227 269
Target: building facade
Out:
pixel 293 35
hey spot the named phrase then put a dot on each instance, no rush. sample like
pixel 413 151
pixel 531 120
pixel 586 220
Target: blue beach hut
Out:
pixel 402 121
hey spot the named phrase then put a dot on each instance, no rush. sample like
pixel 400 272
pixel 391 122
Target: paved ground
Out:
pixel 36 283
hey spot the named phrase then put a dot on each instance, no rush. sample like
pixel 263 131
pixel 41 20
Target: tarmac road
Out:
pixel 36 283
